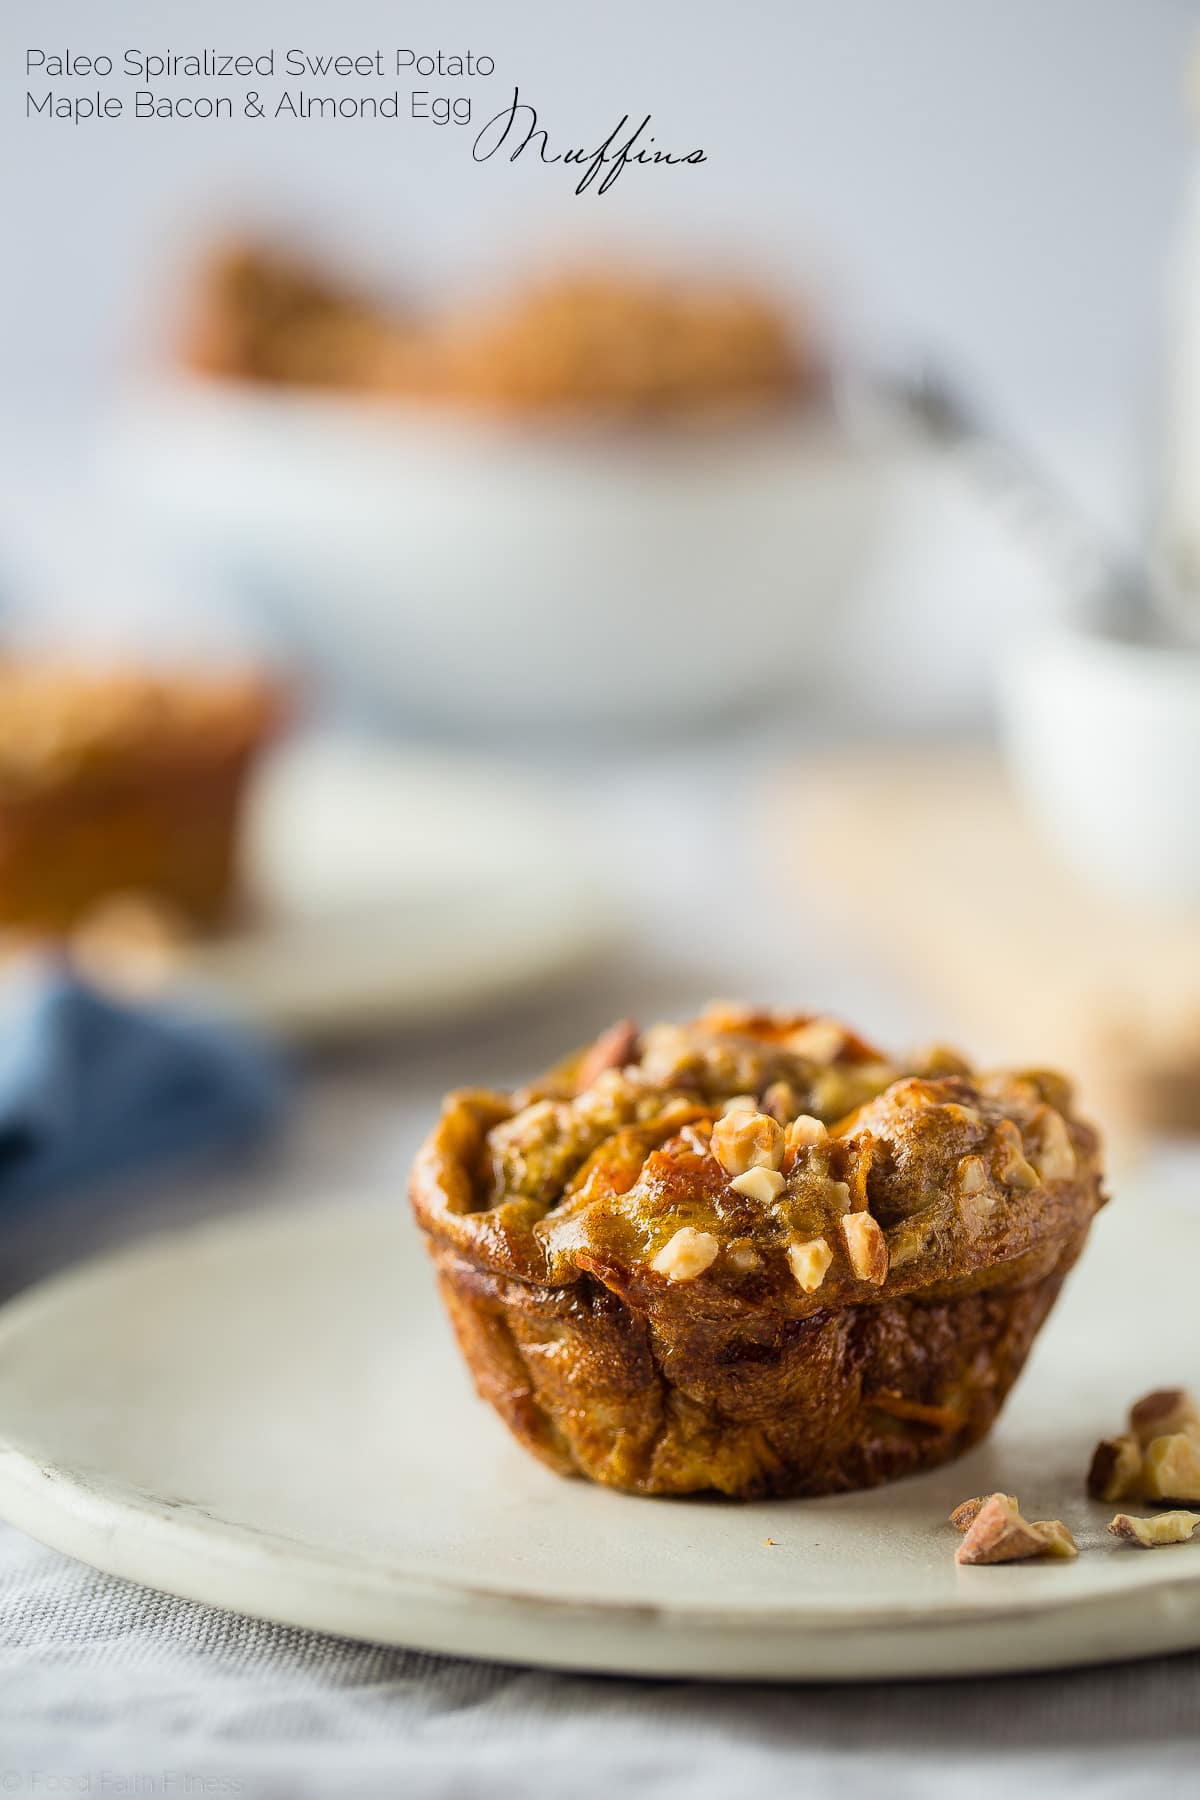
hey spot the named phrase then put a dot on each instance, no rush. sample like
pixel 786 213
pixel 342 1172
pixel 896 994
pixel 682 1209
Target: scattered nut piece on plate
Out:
pixel 966 1513
pixel 998 1534
pixel 1171 1468
pixel 1057 1539
pixel 1163 1528
pixel 1116 1470
pixel 1162 1413
pixel 1158 1458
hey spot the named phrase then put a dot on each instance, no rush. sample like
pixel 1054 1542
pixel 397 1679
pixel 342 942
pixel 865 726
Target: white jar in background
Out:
pixel 1179 523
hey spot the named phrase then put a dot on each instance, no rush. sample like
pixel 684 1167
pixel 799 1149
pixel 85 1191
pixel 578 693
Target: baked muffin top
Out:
pixel 621 345
pixel 267 315
pixel 66 723
pixel 613 344
pixel 764 1159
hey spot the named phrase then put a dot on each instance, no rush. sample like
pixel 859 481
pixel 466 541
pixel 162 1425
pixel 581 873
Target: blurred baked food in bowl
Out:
pixel 606 499
pixel 123 782
pixel 753 1255
pixel 266 315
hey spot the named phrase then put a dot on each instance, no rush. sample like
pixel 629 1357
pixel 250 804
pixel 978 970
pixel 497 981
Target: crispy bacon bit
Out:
pixel 613 1049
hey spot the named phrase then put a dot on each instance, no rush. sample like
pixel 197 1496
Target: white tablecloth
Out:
pixel 107 1688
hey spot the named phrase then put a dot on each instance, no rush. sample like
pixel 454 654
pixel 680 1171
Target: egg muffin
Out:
pixel 752 1254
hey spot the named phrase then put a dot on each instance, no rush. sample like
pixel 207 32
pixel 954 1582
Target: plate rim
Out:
pixel 179 1548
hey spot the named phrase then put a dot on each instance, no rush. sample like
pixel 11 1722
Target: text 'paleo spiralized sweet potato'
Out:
pixel 749 1254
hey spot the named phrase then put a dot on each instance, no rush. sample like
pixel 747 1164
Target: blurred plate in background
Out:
pixel 387 887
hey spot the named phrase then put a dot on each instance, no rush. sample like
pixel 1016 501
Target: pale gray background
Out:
pixel 994 183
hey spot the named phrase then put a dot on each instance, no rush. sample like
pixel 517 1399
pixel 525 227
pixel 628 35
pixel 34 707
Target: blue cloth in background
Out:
pixel 92 1087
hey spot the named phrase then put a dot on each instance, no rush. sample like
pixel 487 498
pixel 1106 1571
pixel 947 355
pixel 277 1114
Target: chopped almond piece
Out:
pixel 763 1185
pixel 686 1255
pixel 967 1511
pixel 1164 1528
pixel 1055 1153
pixel 821 1039
pixel 1116 1470
pixel 747 1140
pixel 780 1101
pixel 809 1262
pixel 1058 1540
pixel 1171 1468
pixel 1162 1413
pixel 999 1534
pixel 866 1247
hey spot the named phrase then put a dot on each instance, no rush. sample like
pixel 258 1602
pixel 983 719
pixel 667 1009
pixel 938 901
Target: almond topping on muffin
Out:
pixel 809 1262
pixel 1015 1170
pixel 686 1255
pixel 743 1258
pixel 747 1140
pixel 836 1275
pixel 803 1133
pixel 820 1039
pixel 1055 1152
pixel 759 1184
pixel 781 1101
pixel 866 1247
pixel 972 1176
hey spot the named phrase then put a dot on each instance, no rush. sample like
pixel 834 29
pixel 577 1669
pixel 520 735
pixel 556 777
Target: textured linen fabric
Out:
pixel 106 1687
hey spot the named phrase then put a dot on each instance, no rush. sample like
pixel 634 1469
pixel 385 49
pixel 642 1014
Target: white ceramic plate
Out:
pixel 390 887
pixel 269 1415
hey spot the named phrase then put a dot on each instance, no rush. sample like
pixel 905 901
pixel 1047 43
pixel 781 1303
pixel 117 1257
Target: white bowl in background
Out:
pixel 1102 731
pixel 493 574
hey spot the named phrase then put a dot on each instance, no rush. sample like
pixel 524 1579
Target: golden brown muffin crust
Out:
pixel 674 1291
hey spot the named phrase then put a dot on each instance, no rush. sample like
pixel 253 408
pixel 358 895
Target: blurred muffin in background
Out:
pixel 625 345
pixel 614 344
pixel 526 509
pixel 123 783
pixel 260 314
